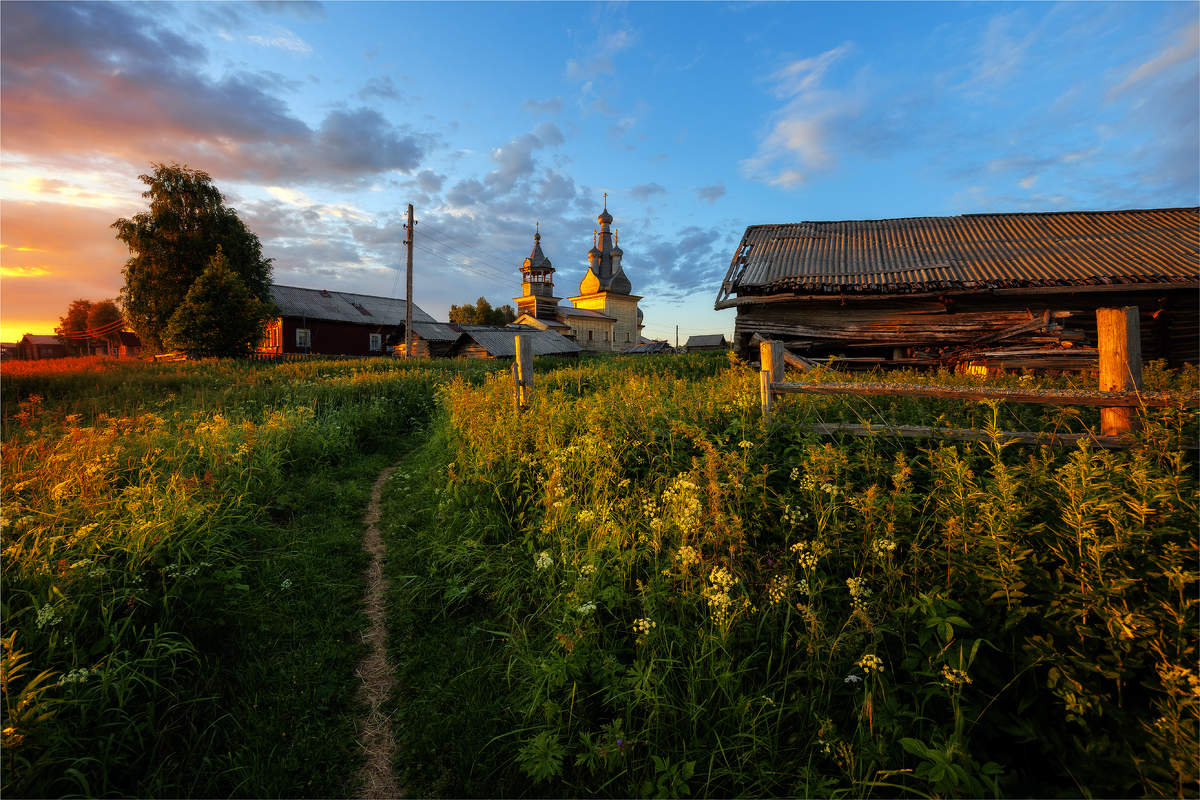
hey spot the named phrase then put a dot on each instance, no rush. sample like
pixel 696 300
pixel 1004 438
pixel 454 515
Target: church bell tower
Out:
pixel 537 283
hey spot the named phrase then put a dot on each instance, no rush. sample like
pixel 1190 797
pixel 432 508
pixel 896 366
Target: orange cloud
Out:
pixel 51 254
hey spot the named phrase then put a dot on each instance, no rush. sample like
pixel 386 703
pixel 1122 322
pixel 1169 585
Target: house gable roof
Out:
pixel 359 309
pixel 706 340
pixel 501 342
pixel 971 252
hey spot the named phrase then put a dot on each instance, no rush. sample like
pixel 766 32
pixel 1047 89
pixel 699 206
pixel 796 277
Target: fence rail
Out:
pixel 1119 396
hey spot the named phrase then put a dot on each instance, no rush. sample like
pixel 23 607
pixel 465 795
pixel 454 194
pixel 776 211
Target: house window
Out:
pixel 589 336
pixel 626 338
pixel 376 341
pixel 303 338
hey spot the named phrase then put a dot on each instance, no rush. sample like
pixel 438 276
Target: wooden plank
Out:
pixel 968 435
pixel 1045 397
pixel 770 356
pixel 1118 331
pixel 523 369
pixel 765 394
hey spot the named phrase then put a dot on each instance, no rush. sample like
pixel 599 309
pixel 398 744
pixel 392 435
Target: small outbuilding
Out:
pixel 650 347
pixel 707 341
pixel 1016 290
pixel 484 341
pixel 34 346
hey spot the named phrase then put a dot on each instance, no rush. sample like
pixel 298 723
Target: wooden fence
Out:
pixel 1119 395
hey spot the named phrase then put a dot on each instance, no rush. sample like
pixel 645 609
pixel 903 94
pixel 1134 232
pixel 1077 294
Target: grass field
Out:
pixel 634 588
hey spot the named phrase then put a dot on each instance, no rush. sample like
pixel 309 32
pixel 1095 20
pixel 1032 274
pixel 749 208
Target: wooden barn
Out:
pixel 336 323
pixel 485 341
pixel 706 341
pixel 35 346
pixel 430 340
pixel 1002 290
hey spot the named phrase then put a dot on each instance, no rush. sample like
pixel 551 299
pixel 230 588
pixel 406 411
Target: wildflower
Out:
pixel 586 516
pixel 76 676
pixel 859 591
pixel 802 587
pixel 793 516
pixel 805 554
pixel 587 608
pixel 587 570
pixel 543 560
pixel 794 474
pixel 10 736
pixel 852 679
pixel 745 445
pixel 48 616
pixel 870 663
pixel 830 489
pixel 643 625
pixel 954 677
pixel 777 590
pixel 687 555
pixel 722 578
pixel 882 547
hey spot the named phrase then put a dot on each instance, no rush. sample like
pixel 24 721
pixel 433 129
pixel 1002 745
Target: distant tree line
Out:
pixel 482 313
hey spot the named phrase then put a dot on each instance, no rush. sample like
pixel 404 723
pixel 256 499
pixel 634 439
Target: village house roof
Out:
pixel 363 309
pixel 650 347
pixel 706 340
pixel 972 252
pixel 501 342
pixel 435 331
pixel 40 338
pixel 571 311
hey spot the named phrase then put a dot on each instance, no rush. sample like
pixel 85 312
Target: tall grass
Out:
pixel 148 532
pixel 634 588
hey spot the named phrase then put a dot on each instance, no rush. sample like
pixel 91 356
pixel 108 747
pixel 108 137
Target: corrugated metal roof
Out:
pixel 40 338
pixel 343 306
pixel 502 341
pixel 967 252
pixel 435 331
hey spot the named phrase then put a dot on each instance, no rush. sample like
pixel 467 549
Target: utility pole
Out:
pixel 408 242
pixel 676 339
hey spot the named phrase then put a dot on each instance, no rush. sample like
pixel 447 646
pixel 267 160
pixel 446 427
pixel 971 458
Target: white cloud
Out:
pixel 1186 49
pixel 283 39
pixel 1028 181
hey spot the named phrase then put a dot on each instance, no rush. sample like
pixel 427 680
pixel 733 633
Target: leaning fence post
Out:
pixel 523 370
pixel 1118 334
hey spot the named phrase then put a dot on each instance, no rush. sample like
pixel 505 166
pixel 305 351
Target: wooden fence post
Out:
pixel 1118 333
pixel 523 370
pixel 770 358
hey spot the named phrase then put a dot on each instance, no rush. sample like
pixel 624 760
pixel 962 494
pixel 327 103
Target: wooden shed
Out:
pixel 35 346
pixel 485 341
pixel 1008 290
pixel 706 341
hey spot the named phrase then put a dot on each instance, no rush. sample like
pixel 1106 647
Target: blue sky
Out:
pixel 321 122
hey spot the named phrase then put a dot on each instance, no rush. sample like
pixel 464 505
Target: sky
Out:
pixel 321 122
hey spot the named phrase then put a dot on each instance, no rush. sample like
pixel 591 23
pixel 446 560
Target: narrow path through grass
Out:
pixel 378 678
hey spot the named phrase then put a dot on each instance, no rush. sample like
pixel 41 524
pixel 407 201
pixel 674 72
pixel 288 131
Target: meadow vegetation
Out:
pixel 633 588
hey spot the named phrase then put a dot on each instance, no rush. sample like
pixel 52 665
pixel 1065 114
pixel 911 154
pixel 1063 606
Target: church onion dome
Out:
pixel 605 218
pixel 594 254
pixel 639 314
pixel 590 283
pixel 619 283
pixel 617 251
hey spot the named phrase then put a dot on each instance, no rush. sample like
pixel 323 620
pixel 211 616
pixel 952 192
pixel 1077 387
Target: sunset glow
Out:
pixel 320 124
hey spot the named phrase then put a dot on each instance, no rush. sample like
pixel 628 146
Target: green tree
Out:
pixel 71 327
pixel 171 244
pixel 105 317
pixel 219 316
pixel 482 313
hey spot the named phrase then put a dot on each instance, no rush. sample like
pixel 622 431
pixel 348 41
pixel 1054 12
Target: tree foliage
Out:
pixel 74 323
pixel 482 313
pixel 103 316
pixel 219 316
pixel 171 244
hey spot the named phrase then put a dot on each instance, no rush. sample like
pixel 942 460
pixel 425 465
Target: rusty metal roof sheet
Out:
pixel 364 309
pixel 501 342
pixel 972 251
